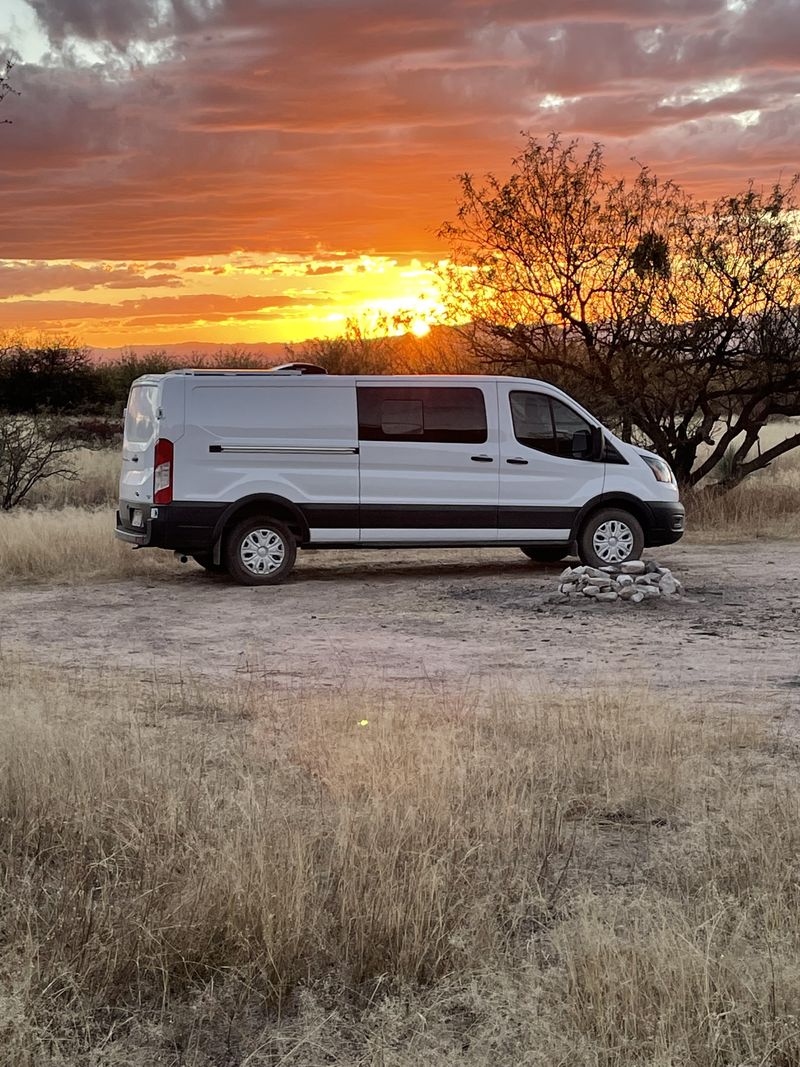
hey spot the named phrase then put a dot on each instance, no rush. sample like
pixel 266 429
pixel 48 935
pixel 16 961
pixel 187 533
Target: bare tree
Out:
pixel 363 348
pixel 6 87
pixel 673 319
pixel 740 330
pixel 31 451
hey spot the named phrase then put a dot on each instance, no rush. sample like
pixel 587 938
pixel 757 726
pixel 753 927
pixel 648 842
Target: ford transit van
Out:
pixel 239 469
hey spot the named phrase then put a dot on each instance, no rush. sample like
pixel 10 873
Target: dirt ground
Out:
pixel 457 616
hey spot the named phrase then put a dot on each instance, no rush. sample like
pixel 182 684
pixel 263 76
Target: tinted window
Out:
pixel 445 414
pixel 533 423
pixel 548 425
pixel 402 418
pixel 567 423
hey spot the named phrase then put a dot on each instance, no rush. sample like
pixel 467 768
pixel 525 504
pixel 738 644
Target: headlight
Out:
pixel 662 472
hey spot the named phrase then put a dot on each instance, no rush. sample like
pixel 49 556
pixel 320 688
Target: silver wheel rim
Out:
pixel 613 541
pixel 262 551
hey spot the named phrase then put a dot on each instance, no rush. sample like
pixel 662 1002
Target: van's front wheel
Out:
pixel 260 551
pixel 610 536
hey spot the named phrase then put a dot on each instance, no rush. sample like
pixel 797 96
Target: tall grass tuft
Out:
pixel 70 544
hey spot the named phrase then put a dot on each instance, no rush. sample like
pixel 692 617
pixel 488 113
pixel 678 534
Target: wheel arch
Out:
pixel 277 507
pixel 626 501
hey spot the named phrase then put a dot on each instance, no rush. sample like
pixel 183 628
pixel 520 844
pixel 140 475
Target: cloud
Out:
pixel 209 307
pixel 324 269
pixel 161 129
pixel 32 278
pixel 119 24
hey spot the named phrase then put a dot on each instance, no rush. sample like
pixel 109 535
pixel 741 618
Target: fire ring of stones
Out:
pixel 635 581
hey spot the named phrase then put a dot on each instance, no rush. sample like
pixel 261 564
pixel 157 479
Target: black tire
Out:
pixel 208 564
pixel 618 521
pixel 279 554
pixel 546 553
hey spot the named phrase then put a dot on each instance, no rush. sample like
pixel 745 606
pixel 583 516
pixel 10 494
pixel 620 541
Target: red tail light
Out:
pixel 162 474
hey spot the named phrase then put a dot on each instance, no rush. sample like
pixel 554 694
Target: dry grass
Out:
pixel 766 505
pixel 66 530
pixel 251 877
pixel 70 544
pixel 760 508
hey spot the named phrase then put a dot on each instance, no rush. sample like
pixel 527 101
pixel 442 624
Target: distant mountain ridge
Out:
pixel 274 351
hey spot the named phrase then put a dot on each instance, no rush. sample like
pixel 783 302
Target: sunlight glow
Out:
pixel 704 93
pixel 552 101
pixel 242 297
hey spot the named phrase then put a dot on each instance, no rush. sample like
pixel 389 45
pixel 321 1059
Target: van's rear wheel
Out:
pixel 545 553
pixel 610 536
pixel 260 551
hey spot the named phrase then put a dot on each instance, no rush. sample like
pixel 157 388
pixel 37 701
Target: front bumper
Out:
pixel 668 523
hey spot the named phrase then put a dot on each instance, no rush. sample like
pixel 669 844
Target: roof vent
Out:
pixel 298 368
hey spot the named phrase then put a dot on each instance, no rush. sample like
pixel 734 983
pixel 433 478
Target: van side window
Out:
pixel 550 426
pixel 402 418
pixel 533 422
pixel 567 423
pixel 444 414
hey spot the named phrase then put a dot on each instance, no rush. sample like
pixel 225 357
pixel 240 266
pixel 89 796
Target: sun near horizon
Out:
pixel 223 174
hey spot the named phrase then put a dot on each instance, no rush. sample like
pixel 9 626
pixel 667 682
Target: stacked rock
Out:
pixel 635 581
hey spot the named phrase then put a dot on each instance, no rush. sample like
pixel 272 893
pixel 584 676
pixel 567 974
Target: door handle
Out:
pixel 518 461
pixel 482 459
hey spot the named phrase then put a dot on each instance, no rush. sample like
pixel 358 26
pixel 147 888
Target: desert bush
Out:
pixel 33 450
pixel 95 431
pixel 47 375
pixel 53 375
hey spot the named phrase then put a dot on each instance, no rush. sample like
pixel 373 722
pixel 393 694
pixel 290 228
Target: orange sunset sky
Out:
pixel 259 171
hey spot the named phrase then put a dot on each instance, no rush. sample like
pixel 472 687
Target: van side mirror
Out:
pixel 581 444
pixel 588 444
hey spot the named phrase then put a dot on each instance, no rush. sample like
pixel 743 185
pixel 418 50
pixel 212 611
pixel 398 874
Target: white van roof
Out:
pixel 339 379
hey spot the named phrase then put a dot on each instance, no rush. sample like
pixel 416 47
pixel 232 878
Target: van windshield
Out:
pixel 140 418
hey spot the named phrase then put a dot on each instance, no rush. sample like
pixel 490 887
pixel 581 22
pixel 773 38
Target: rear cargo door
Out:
pixel 138 445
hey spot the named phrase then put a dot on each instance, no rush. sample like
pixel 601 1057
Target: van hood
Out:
pixel 645 452
pixel 626 448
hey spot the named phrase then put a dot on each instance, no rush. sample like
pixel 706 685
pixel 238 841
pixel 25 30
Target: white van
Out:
pixel 239 469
